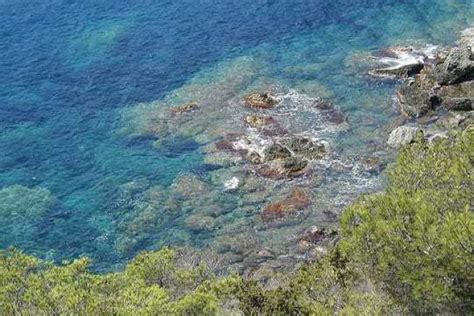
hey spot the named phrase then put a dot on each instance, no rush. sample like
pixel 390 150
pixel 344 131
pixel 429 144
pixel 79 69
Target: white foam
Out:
pixel 252 143
pixel 404 58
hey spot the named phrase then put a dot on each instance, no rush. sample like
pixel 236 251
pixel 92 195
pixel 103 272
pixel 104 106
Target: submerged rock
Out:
pixel 189 186
pixel 279 169
pixel 403 135
pixel 188 107
pixel 293 165
pixel 260 100
pixel 20 203
pixel 200 223
pixel 295 146
pixel 296 201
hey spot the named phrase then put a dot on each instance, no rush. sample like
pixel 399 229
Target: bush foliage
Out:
pixel 406 250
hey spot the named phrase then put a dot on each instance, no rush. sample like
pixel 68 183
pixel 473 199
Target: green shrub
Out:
pixel 151 284
pixel 416 238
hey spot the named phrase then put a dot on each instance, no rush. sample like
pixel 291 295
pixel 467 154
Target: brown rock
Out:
pixel 185 108
pixel 296 201
pixel 260 100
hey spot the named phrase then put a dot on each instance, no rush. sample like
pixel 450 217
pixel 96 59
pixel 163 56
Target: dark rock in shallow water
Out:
pixel 293 165
pixel 199 223
pixel 305 147
pixel 276 151
pixel 457 67
pixel 422 95
pixel 403 71
pixel 280 169
pixel 336 117
pixel 449 83
pixel 315 235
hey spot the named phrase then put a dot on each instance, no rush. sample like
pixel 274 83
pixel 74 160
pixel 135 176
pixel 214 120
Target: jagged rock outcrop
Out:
pixel 449 84
pixel 457 67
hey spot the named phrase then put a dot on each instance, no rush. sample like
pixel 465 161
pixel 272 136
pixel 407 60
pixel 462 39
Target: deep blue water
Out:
pixel 69 68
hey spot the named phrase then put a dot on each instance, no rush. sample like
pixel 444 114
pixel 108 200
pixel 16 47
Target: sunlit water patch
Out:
pixel 125 126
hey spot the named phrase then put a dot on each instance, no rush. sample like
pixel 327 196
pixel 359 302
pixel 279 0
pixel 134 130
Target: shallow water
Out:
pixel 106 171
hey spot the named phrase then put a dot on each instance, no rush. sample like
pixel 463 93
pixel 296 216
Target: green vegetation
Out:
pixel 407 250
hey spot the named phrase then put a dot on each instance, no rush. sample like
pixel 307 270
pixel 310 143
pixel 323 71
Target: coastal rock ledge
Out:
pixel 448 84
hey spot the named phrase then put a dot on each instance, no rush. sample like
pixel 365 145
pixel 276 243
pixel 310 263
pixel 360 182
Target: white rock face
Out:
pixel 467 38
pixel 402 135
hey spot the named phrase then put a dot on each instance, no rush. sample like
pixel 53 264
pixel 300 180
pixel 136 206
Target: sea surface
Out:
pixel 93 162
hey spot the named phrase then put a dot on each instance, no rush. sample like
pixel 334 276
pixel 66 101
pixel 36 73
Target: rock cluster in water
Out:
pixel 437 88
pixel 447 84
pixel 273 171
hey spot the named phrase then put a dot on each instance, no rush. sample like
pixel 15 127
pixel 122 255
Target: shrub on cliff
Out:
pixel 151 284
pixel 417 238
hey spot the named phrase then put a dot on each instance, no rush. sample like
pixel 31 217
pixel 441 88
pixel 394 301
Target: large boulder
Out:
pixel 403 135
pixel 418 96
pixel 458 97
pixel 457 67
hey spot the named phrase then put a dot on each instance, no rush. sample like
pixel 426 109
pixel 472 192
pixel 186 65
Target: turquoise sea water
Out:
pixel 92 163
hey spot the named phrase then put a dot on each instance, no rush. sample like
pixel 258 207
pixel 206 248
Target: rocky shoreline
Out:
pixel 437 92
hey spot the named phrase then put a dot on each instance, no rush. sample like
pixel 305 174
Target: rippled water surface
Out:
pixel 94 159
